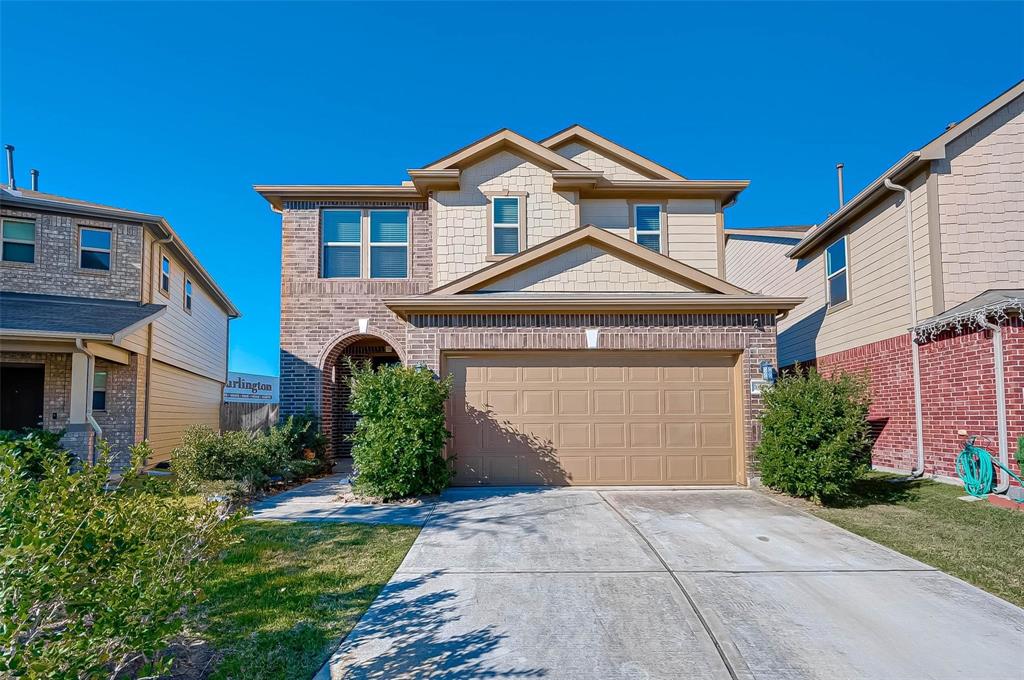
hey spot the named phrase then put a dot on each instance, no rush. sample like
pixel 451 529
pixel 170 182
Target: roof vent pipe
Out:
pixel 35 179
pixel 9 148
pixel 839 172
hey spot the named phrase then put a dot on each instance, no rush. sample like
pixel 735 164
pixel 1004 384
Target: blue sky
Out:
pixel 178 109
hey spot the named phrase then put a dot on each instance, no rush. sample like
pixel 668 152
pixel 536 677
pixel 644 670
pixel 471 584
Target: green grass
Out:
pixel 280 601
pixel 976 542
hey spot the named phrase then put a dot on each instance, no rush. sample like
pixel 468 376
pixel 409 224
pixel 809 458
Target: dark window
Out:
pixel 165 275
pixel 99 391
pixel 19 241
pixel 836 273
pixel 94 248
pixel 188 296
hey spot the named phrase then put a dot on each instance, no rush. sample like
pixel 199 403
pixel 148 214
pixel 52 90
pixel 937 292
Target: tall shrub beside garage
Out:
pixel 398 440
pixel 815 439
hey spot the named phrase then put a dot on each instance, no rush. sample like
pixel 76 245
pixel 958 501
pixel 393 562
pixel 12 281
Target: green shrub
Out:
pixel 248 460
pixel 36 448
pixel 396 446
pixel 815 441
pixel 94 580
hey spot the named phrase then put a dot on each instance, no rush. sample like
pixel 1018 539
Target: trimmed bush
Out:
pixel 94 580
pixel 815 441
pixel 397 443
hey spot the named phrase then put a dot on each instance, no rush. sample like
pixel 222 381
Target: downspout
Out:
pixel 915 350
pixel 88 396
pixel 1004 452
pixel 153 269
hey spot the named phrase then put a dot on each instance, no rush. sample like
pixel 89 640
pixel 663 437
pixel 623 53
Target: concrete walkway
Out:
pixel 317 501
pixel 578 583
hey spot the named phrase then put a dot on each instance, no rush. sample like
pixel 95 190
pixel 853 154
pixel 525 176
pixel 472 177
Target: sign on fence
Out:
pixel 250 388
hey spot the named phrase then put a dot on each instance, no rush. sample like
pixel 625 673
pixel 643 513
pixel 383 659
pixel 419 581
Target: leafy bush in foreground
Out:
pixel 92 579
pixel 396 446
pixel 815 441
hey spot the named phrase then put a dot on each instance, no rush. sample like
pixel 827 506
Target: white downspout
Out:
pixel 997 350
pixel 88 394
pixel 915 352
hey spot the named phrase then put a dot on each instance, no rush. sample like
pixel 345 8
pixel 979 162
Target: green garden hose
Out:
pixel 974 465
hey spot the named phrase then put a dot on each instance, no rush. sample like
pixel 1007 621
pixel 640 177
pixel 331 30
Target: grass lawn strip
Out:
pixel 976 542
pixel 280 601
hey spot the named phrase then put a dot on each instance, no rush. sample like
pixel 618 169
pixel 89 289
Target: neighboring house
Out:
pixel 573 288
pixel 109 326
pixel 967 218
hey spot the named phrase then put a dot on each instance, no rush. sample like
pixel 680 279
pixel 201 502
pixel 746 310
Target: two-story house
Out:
pixel 952 319
pixel 109 326
pixel 574 289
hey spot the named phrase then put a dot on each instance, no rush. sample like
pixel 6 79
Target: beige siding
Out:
pixel 179 399
pixel 588 269
pixel 610 213
pixel 595 160
pixel 981 207
pixel 693 233
pixel 461 216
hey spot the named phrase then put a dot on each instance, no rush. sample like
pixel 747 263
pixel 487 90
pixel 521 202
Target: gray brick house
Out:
pixel 574 289
pixel 109 326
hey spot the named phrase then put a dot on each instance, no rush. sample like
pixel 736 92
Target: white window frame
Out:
pixel 165 286
pixel 371 245
pixel 4 239
pixel 92 397
pixel 358 244
pixel 495 226
pixel 661 227
pixel 845 269
pixel 83 248
pixel 186 298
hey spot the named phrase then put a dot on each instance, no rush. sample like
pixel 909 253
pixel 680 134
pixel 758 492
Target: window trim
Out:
pixel 521 197
pixel 34 243
pixel 166 292
pixel 845 269
pixel 187 297
pixel 92 397
pixel 83 248
pixel 326 244
pixel 634 232
pixel 370 244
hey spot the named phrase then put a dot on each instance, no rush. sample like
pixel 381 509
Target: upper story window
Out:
pixel 647 220
pixel 165 275
pixel 187 301
pixel 356 241
pixel 506 225
pixel 99 391
pixel 19 241
pixel 94 248
pixel 836 274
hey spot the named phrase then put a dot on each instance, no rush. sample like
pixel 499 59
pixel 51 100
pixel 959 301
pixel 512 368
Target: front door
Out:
pixel 21 394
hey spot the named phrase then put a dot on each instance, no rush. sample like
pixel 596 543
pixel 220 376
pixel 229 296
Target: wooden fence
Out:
pixel 238 416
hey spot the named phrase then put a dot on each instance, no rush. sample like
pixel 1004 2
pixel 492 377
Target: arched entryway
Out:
pixel 337 420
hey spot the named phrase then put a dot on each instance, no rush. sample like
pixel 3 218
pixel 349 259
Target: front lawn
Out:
pixel 280 601
pixel 976 542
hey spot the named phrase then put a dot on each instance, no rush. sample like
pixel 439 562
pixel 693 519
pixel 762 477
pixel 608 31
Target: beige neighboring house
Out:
pixel 956 203
pixel 575 290
pixel 109 326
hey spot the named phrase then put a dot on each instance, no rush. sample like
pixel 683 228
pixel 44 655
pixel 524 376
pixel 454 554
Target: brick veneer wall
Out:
pixel 431 335
pixel 957 392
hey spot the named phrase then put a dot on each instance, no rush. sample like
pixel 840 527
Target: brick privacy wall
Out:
pixel 56 271
pixel 957 392
pixel 430 335
pixel 118 421
pixel 317 314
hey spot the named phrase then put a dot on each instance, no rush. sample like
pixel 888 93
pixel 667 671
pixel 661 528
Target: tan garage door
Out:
pixel 594 418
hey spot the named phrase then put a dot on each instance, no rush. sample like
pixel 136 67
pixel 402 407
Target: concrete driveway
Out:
pixel 574 583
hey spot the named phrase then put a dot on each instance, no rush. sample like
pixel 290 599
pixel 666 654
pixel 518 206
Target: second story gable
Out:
pixel 487 201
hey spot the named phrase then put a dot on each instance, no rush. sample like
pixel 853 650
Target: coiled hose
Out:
pixel 974 466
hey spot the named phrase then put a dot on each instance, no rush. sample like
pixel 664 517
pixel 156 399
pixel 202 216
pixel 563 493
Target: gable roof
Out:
pixel 643 165
pixel 908 166
pixel 500 140
pixel 616 245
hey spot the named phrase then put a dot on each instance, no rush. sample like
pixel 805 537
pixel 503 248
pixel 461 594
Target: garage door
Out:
pixel 593 418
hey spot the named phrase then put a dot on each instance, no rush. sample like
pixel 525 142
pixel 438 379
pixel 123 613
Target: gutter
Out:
pixel 1000 376
pixel 915 350
pixel 829 226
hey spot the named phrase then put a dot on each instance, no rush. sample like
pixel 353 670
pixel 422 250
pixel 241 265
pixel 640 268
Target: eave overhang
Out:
pixel 527 303
pixel 723 190
pixel 277 194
